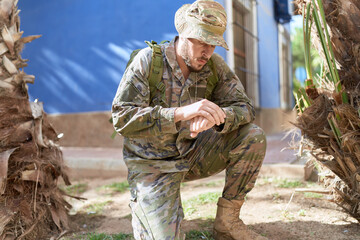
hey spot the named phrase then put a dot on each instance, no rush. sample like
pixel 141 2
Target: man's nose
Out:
pixel 208 51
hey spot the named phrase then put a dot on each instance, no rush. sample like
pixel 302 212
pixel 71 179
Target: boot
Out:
pixel 228 226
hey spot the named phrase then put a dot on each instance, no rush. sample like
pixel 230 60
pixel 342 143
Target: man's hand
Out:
pixel 199 124
pixel 204 108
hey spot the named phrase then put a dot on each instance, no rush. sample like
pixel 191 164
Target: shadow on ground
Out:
pixel 83 224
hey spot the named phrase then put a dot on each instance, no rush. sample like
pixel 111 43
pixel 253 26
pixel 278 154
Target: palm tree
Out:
pixel 329 113
pixel 31 205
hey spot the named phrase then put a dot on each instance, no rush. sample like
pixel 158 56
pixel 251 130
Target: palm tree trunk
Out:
pixel 31 205
pixel 343 17
pixel 331 126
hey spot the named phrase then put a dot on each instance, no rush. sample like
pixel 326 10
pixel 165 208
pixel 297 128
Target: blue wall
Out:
pixel 269 84
pixel 79 60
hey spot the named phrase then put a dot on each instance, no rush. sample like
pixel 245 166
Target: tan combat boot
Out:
pixel 228 226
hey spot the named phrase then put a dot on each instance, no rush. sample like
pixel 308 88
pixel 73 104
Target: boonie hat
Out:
pixel 204 20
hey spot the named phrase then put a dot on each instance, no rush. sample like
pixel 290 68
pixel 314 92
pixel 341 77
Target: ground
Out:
pixel 269 210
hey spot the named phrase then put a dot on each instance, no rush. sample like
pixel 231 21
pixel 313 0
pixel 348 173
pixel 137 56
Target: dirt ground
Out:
pixel 267 210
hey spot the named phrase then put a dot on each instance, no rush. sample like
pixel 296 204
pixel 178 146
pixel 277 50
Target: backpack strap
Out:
pixel 155 74
pixel 132 56
pixel 212 80
pixel 156 71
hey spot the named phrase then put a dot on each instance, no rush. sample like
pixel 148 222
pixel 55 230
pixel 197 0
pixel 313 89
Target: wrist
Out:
pixel 178 114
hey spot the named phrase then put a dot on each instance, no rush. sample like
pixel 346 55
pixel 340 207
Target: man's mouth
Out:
pixel 202 60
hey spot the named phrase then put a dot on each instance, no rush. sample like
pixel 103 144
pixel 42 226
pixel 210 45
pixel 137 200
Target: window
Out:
pixel 243 44
pixel 286 99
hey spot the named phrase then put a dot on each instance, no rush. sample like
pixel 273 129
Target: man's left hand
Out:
pixel 199 124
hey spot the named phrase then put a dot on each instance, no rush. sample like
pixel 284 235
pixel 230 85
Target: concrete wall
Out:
pixel 94 130
pixel 91 129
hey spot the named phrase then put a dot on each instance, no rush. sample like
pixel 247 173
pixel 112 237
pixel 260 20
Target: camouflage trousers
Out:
pixel 156 205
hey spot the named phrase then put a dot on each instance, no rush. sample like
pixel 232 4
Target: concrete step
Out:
pixel 108 162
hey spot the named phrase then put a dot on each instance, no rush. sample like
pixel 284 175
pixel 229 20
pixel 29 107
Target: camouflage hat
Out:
pixel 204 20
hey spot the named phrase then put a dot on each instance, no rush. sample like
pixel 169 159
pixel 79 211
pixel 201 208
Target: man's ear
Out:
pixel 183 39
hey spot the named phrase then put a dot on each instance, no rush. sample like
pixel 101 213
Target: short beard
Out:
pixel 188 64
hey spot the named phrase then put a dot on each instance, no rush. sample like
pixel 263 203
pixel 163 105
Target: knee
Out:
pixel 250 143
pixel 257 134
pixel 253 136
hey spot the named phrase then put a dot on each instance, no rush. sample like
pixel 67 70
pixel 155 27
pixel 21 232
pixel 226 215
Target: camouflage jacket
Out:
pixel 152 141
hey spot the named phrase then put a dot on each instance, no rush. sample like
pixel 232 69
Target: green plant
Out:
pixel 211 184
pixel 313 195
pixel 196 235
pixel 211 197
pixel 324 35
pixel 307 23
pixel 103 236
pixel 118 187
pixel 285 183
pixel 287 215
pixel 76 189
pixel 302 213
pixel 96 208
pixel 313 12
pixel 189 209
pixel 191 206
pixel 275 196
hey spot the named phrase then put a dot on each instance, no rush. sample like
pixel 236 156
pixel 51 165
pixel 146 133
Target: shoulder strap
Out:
pixel 155 74
pixel 212 80
pixel 132 56
pixel 156 70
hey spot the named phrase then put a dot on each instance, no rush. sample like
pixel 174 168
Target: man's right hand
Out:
pixel 205 108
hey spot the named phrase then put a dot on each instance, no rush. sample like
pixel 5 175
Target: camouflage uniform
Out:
pixel 161 154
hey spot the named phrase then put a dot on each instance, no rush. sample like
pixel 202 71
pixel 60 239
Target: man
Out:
pixel 184 136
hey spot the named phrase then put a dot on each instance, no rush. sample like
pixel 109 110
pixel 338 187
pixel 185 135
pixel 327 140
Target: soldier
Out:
pixel 178 135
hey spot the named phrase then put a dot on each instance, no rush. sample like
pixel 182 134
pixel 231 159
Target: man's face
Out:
pixel 196 53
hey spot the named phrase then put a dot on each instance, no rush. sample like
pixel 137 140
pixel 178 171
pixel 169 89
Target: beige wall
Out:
pixel 275 120
pixel 94 129
pixel 85 130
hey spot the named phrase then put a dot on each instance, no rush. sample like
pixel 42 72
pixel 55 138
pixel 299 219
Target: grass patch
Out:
pixel 76 189
pixel 103 236
pixel 281 182
pixel 302 213
pixel 287 215
pixel 212 184
pixel 192 205
pixel 189 210
pixel 276 196
pixel 96 208
pixel 285 183
pixel 211 197
pixel 196 235
pixel 100 236
pixel 313 195
pixel 117 187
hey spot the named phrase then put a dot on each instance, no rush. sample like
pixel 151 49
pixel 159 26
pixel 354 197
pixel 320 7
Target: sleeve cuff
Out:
pixel 229 121
pixel 167 120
